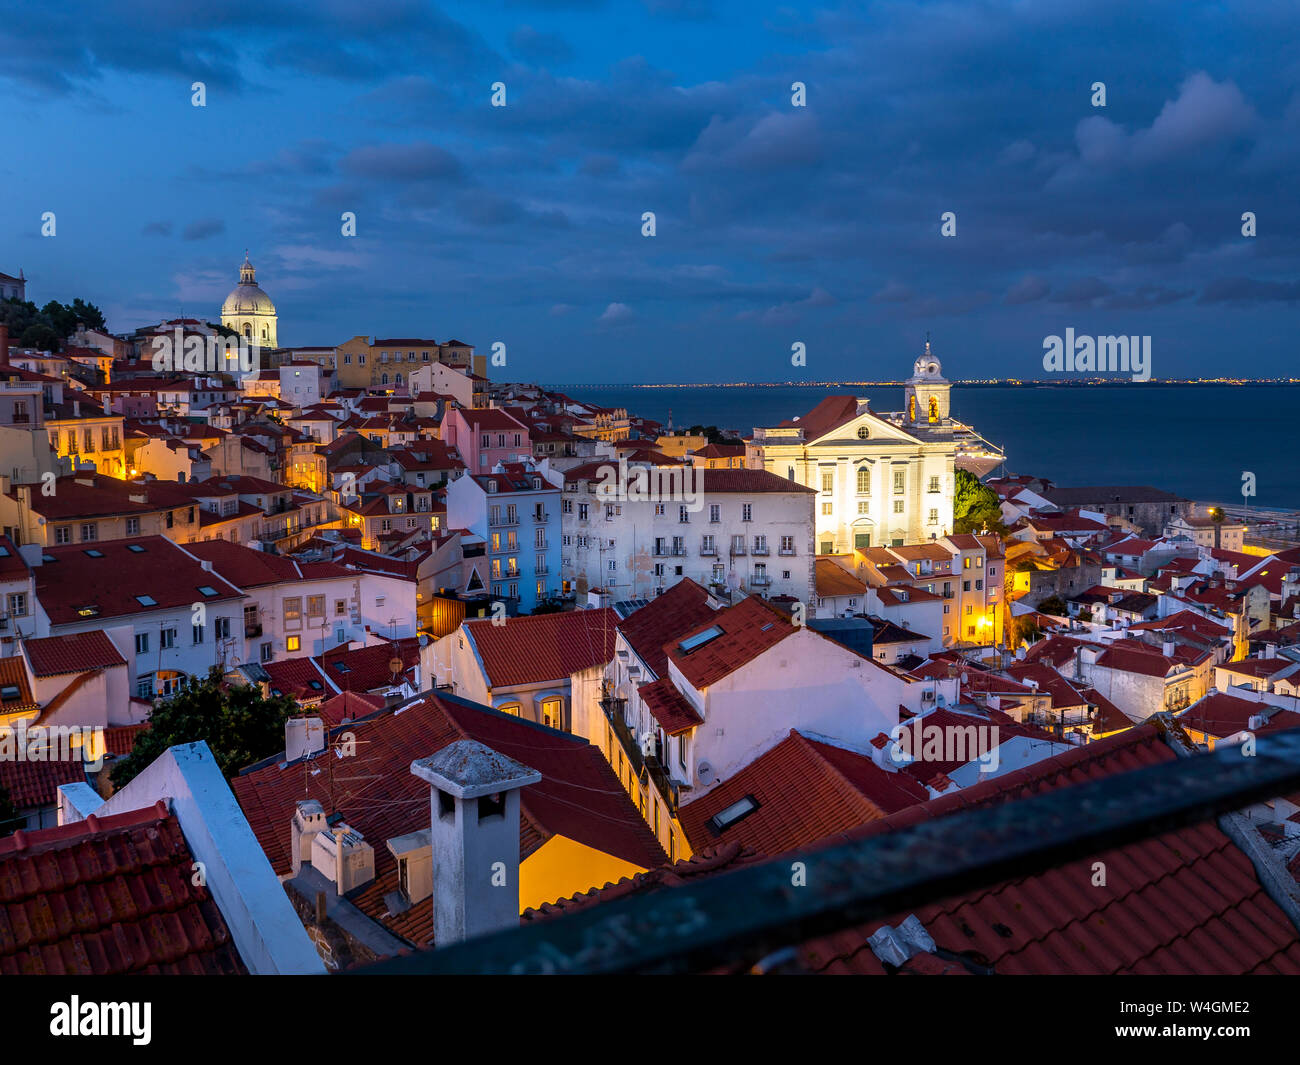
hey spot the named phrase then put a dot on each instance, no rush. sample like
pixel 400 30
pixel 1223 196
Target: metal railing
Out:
pixel 736 919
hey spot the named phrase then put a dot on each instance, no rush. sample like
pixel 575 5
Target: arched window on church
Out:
pixel 248 331
pixel 398 379
pixel 934 409
pixel 383 379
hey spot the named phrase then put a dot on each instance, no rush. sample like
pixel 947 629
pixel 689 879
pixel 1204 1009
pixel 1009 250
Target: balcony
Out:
pixel 737 550
pixel 252 630
pixel 762 552
pixel 760 581
pixel 709 551
pixel 786 552
pixel 643 765
pixel 541 516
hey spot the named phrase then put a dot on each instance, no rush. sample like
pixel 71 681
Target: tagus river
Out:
pixel 1196 440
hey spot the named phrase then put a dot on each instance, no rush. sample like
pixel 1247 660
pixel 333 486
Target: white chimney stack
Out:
pixel 303 737
pixel 474 836
pixel 308 819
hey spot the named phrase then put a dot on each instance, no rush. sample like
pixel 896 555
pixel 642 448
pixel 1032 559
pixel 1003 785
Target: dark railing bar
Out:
pixel 739 917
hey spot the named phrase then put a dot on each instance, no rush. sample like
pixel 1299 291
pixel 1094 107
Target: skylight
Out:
pixel 92 553
pixel 137 548
pixel 737 811
pixel 146 600
pixel 694 643
pixel 207 589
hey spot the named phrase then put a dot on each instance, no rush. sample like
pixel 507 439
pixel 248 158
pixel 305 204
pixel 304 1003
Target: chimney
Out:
pixel 76 408
pixel 341 854
pixel 308 819
pixel 303 737
pixel 1167 648
pixel 474 838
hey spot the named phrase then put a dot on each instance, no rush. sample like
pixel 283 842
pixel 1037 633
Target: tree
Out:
pixel 1055 606
pixel 975 506
pixel 41 337
pixel 710 432
pixel 239 724
pixel 1025 629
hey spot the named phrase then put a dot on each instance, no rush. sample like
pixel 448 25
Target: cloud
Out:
pixel 617 314
pixel 203 229
pixel 1243 290
pixel 418 161
pixel 156 229
pixel 1028 289
pixel 536 46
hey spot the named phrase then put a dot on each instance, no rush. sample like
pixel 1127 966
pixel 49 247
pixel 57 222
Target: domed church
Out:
pixel 249 311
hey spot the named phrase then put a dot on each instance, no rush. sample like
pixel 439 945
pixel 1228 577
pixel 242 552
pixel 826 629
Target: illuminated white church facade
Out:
pixel 249 311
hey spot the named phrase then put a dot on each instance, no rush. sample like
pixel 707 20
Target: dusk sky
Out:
pixel 776 224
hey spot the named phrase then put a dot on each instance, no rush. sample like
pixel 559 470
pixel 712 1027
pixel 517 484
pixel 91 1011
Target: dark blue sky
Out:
pixel 775 224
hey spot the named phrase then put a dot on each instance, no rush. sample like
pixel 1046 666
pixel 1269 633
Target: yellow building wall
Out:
pixel 561 867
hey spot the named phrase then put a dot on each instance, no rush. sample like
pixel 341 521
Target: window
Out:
pixel 18 604
pixel 582 511
pixel 292 643
pixel 715 513
pixel 828 482
pixel 864 481
pixel 898 506
pixel 737 811
pixel 267 652
pixel 747 512
pixel 828 508
pixel 566 506
pixel 934 484
pixel 316 607
pixel 167 639
pixel 222 628
pixel 899 483
pixel 965 586
pixel 787 545
pixel 683 514
pixel 934 517
pixel 63 534
pixel 144 686
pixel 293 612
pixel 979 586
pixel 89 532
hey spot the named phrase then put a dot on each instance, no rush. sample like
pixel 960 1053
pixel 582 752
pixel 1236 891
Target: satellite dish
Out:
pixel 705 773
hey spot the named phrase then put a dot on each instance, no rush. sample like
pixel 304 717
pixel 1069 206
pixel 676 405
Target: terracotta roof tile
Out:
pixel 543 647
pixel 109 896
pixel 746 630
pixel 74 652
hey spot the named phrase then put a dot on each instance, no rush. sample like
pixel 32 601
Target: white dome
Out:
pixel 247 297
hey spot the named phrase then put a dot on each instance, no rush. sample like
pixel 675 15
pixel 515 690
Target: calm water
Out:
pixel 1195 441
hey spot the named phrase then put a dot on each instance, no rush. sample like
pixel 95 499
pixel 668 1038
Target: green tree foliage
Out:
pixel 53 323
pixel 240 726
pixel 1055 606
pixel 975 507
pixel 710 432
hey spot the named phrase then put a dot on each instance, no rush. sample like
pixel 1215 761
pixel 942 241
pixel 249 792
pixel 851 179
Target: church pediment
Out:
pixel 877 430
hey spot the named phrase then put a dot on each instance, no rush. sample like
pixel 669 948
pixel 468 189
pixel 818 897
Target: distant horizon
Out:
pixel 1010 382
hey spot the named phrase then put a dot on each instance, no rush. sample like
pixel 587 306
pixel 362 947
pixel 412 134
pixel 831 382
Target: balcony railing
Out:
pixel 786 551
pixel 760 551
pixel 252 630
pixel 642 764
pixel 760 581
pixel 737 550
pixel 709 552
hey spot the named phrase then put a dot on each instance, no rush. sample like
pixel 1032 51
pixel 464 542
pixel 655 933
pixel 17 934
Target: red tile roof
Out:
pixel 829 414
pixel 579 796
pixel 806 790
pixel 1183 902
pixel 681 608
pixel 121 570
pixel 543 647
pixel 74 652
pixel 1220 714
pixel 834 580
pixel 107 896
pixel 669 707
pixel 747 630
